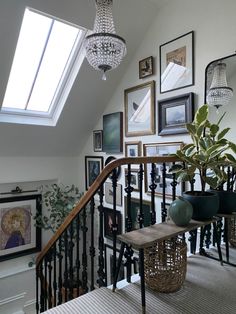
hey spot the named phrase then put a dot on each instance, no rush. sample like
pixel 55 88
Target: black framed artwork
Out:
pixel 97 140
pixel 174 113
pixel 93 167
pixel 108 219
pixel 113 132
pixel 177 63
pixel 18 233
pixel 146 67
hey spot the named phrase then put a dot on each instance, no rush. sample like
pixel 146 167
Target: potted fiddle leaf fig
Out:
pixel 206 157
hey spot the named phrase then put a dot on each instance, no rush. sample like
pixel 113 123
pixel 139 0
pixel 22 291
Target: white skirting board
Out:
pixel 13 305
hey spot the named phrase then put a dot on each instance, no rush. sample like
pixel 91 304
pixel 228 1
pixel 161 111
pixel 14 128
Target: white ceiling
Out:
pixel 89 95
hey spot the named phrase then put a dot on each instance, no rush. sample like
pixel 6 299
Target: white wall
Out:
pixel 28 173
pixel 214 24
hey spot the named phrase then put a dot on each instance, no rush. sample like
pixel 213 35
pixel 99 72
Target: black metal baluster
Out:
pixel 114 223
pixel 164 183
pixel 153 187
pixel 174 184
pixel 66 265
pixel 40 276
pixel 92 248
pixel 60 257
pixel 70 255
pixel 77 262
pixel 163 211
pixel 84 253
pixel 45 283
pixel 49 278
pixel 140 185
pixel 101 264
pixel 54 274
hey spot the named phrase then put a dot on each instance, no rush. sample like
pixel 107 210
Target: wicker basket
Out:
pixel 232 231
pixel 165 265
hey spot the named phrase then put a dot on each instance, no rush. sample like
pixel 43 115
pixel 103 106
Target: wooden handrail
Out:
pixel 93 189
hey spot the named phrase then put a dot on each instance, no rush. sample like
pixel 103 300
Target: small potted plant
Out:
pixel 206 156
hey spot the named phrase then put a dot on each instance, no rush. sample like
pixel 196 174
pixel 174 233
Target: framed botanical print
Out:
pixel 177 63
pixel 146 67
pixel 140 109
pixel 174 113
pixel 18 234
pixel 113 132
pixel 161 149
pixel 93 167
pixel 133 149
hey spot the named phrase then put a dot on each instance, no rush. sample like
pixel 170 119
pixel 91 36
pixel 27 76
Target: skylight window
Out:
pixel 47 59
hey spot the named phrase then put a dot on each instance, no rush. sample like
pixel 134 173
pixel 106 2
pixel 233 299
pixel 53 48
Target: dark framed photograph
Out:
pixel 140 109
pixel 174 113
pixel 133 149
pixel 146 67
pixel 134 180
pixel 109 193
pixel 97 141
pixel 93 167
pixel 135 211
pixel 161 149
pixel 113 132
pixel 108 219
pixel 109 265
pixel 18 234
pixel 177 63
pixel 117 170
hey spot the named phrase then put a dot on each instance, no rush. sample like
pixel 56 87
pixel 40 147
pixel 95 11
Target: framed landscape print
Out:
pixel 133 149
pixel 146 67
pixel 161 149
pixel 135 211
pixel 174 113
pixel 97 141
pixel 93 167
pixel 108 218
pixel 113 132
pixel 140 109
pixel 18 234
pixel 109 194
pixel 177 63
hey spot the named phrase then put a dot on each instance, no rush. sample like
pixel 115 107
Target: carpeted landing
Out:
pixel 209 288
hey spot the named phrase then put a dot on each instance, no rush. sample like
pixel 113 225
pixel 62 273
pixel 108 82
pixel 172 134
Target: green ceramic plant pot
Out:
pixel 181 211
pixel 205 204
pixel 227 202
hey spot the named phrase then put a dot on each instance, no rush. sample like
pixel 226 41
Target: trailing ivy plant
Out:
pixel 208 153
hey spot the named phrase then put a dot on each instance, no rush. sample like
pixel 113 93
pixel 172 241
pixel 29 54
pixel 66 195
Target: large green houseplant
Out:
pixel 206 157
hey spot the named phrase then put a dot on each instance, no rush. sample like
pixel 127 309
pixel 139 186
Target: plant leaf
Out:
pixel 201 114
pixel 222 133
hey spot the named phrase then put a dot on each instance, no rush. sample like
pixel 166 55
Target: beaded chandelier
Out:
pixel 219 93
pixel 104 49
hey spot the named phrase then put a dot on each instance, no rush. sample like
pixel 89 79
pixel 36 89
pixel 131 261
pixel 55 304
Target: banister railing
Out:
pixel 64 259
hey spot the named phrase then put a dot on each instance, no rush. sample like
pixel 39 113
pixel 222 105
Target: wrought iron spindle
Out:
pixel 153 187
pixel 174 184
pixel 45 284
pixel 49 264
pixel 54 249
pixel 77 261
pixel 140 185
pixel 101 264
pixel 92 248
pixel 60 257
pixel 114 222
pixel 70 255
pixel 66 265
pixel 42 295
pixel 84 253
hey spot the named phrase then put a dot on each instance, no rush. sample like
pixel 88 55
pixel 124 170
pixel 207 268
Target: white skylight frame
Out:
pixel 67 79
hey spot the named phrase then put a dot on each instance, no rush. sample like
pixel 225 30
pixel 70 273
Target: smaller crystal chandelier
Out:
pixel 104 49
pixel 219 93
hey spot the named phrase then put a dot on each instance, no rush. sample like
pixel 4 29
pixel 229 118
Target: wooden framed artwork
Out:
pixel 18 234
pixel 146 67
pixel 133 149
pixel 93 167
pixel 113 132
pixel 97 141
pixel 134 181
pixel 108 218
pixel 135 211
pixel 109 193
pixel 140 110
pixel 177 63
pixel 109 265
pixel 174 113
pixel 161 149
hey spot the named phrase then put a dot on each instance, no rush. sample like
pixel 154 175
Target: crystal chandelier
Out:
pixel 104 49
pixel 219 93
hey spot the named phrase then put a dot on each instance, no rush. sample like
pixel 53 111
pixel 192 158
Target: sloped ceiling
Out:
pixel 89 95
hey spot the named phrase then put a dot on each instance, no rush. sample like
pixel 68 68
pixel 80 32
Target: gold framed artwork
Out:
pixel 177 63
pixel 139 110
pixel 133 149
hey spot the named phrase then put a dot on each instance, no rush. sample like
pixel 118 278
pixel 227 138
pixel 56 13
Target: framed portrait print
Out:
pixel 113 132
pixel 109 193
pixel 161 149
pixel 108 218
pixel 174 113
pixel 93 167
pixel 177 63
pixel 135 211
pixel 146 67
pixel 18 234
pixel 109 265
pixel 135 184
pixel 133 149
pixel 97 141
pixel 140 109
